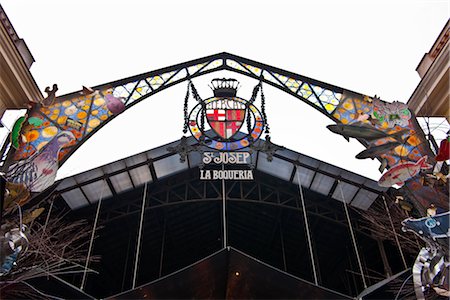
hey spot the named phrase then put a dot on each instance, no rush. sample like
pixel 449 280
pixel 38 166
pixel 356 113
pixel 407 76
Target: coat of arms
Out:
pixel 226 114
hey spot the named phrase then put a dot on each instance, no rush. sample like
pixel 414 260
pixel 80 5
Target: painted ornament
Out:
pixel 364 131
pixel 88 91
pixel 15 132
pixel 400 173
pixel 115 105
pixel 35 121
pixel 39 170
pixel 395 113
pixel 376 151
pixel 51 95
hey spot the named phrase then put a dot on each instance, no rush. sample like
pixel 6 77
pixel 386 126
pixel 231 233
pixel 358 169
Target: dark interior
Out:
pixel 183 224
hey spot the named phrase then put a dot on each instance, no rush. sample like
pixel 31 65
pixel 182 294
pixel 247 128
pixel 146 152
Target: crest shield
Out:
pixel 225 122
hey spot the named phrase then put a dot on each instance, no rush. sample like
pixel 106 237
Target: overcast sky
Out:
pixel 371 47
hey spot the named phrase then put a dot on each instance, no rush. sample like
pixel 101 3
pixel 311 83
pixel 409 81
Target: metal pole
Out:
pixel 387 268
pixel 126 262
pixel 45 224
pixel 395 233
pixel 83 281
pixel 282 246
pixel 224 218
pixel 305 216
pixel 162 248
pixel 353 236
pixel 138 246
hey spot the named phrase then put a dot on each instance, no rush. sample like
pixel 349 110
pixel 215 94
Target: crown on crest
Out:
pixel 224 87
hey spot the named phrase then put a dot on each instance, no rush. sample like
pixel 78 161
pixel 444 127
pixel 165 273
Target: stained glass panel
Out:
pixel 237 66
pixel 194 69
pixel 270 77
pixel 213 65
pixel 254 70
pixel 180 75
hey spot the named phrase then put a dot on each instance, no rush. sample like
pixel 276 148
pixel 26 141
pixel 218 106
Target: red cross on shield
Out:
pixel 225 122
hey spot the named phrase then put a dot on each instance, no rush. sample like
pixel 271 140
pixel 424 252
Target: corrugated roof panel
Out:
pixel 364 199
pixel 141 175
pixel 194 159
pixel 160 151
pixel 355 177
pixel 97 189
pixel 115 166
pixel 314 163
pixel 67 182
pixel 288 154
pixel 121 182
pixel 169 165
pixel 332 169
pixel 322 184
pixel 277 167
pixel 94 173
pixel 75 199
pixel 306 176
pixel 348 190
pixel 374 185
pixel 136 159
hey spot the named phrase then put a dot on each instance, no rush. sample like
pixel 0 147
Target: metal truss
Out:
pixel 184 190
pixel 320 95
pixel 135 89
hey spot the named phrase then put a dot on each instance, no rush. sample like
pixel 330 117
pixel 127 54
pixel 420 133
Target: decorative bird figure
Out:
pixel 39 170
pixel 50 95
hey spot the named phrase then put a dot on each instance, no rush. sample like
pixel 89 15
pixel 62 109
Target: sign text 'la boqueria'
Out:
pixel 229 158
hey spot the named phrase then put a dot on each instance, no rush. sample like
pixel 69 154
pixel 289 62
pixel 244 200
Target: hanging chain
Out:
pixel 250 102
pixel 263 111
pixel 200 100
pixel 185 108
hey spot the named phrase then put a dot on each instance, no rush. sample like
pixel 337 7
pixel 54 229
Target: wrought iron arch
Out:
pixel 85 114
pixel 320 95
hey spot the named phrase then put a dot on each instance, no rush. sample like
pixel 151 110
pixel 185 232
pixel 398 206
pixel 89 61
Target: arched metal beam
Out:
pixel 319 95
pixel 90 113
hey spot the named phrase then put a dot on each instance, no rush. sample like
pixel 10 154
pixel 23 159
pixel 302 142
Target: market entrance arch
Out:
pixel 85 113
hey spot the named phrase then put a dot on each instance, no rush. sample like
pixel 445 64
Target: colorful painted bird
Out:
pixel 39 170
pixel 399 173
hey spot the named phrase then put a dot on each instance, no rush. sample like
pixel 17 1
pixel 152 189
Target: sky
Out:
pixel 371 47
